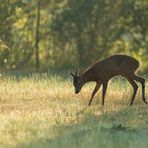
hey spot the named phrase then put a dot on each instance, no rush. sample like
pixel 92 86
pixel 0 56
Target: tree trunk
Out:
pixel 37 38
pixel 81 51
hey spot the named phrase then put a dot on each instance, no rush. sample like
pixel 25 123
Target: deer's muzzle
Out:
pixel 77 91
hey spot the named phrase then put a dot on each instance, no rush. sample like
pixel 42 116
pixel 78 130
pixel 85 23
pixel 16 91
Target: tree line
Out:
pixel 59 34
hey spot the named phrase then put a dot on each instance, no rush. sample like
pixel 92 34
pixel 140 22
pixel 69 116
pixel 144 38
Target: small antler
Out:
pixel 76 73
pixel 72 74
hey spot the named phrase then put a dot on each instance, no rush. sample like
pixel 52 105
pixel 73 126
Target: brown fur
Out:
pixel 102 71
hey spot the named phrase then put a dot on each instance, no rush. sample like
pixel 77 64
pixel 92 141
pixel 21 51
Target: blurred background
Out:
pixel 45 35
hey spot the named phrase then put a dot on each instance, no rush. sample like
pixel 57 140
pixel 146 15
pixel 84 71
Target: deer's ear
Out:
pixel 80 72
pixel 77 73
pixel 71 73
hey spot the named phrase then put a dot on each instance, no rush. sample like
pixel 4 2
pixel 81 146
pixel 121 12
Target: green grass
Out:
pixel 43 112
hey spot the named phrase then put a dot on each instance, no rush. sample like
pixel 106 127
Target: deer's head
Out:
pixel 77 81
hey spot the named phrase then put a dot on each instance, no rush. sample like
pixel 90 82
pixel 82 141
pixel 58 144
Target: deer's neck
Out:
pixel 87 77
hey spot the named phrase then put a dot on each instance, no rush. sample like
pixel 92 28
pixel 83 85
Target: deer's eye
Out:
pixel 78 83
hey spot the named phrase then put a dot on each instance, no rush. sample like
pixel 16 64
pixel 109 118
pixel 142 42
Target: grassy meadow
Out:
pixel 42 111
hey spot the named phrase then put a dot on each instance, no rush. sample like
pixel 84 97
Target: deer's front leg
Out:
pixel 94 92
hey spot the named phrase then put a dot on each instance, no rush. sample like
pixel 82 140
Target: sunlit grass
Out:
pixel 41 111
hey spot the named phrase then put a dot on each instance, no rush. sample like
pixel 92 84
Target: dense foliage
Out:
pixel 71 33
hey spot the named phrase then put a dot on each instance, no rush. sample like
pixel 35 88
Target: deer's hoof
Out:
pixel 131 104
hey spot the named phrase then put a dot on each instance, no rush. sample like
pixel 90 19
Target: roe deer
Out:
pixel 102 71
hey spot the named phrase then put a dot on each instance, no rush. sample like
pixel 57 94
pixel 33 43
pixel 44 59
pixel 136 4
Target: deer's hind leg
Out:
pixel 135 88
pixel 142 81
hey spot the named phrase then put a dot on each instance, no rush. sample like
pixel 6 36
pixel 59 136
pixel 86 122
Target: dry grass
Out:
pixel 37 111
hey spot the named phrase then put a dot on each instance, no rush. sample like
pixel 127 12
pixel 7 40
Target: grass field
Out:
pixel 43 112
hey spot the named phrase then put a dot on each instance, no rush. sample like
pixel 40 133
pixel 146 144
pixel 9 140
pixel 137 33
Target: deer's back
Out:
pixel 116 65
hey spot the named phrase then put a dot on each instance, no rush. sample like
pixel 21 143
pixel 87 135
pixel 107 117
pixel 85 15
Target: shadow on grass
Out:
pixel 91 133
